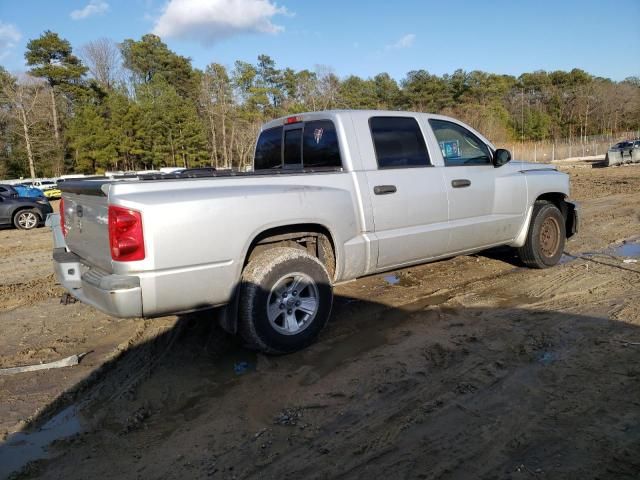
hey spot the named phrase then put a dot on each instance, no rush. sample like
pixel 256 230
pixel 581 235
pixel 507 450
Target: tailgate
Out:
pixel 86 219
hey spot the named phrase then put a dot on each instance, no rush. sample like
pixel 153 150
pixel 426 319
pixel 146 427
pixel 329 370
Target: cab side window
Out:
pixel 458 145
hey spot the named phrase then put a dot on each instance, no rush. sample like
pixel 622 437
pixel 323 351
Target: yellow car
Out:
pixel 52 193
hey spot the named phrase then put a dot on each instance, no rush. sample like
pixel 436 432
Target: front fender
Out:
pixel 570 211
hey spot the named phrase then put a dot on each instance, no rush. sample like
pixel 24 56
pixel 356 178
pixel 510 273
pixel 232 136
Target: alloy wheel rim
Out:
pixel 293 303
pixel 27 220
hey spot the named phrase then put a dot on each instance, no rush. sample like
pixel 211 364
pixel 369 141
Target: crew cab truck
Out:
pixel 334 195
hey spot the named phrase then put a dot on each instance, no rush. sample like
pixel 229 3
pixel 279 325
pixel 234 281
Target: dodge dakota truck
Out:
pixel 333 196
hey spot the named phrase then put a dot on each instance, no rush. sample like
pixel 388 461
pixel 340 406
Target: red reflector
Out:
pixel 125 234
pixel 125 221
pixel 125 246
pixel 292 120
pixel 62 225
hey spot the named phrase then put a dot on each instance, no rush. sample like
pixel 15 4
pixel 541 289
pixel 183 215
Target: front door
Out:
pixel 486 204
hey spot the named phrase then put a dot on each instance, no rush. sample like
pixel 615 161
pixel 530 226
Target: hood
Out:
pixel 529 166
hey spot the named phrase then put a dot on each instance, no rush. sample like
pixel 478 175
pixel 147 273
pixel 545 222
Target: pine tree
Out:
pixel 51 58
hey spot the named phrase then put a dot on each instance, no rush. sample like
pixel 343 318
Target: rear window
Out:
pixel 269 149
pixel 398 142
pixel 312 145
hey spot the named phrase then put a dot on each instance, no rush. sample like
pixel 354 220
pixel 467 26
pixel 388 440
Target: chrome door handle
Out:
pixel 384 189
pixel 460 183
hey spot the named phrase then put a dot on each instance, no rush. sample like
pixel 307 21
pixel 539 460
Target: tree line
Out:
pixel 138 105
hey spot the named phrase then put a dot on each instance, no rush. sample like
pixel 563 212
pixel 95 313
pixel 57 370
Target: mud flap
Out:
pixel 572 219
pixel 227 316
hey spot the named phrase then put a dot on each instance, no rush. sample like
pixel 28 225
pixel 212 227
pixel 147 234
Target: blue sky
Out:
pixel 352 37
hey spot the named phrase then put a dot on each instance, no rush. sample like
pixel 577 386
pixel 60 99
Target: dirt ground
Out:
pixel 473 367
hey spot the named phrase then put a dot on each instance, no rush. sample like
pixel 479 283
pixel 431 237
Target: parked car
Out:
pixel 627 151
pixel 25 213
pixel 334 196
pixel 41 184
pixel 52 193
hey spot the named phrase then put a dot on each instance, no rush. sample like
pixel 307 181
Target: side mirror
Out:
pixel 500 157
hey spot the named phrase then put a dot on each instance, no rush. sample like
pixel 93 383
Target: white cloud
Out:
pixel 405 41
pixel 208 21
pixel 94 7
pixel 9 36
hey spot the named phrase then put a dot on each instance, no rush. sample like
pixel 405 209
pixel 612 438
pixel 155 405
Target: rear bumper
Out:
pixel 117 295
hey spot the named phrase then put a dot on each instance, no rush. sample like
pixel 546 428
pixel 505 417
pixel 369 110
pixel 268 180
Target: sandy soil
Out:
pixel 472 367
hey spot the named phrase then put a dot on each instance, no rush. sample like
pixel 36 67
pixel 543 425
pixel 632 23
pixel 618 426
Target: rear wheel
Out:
pixel 546 237
pixel 285 300
pixel 26 219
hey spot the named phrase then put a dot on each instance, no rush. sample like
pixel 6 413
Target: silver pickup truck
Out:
pixel 333 196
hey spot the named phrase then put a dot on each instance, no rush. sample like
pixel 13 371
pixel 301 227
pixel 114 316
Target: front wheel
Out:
pixel 285 300
pixel 26 219
pixel 546 237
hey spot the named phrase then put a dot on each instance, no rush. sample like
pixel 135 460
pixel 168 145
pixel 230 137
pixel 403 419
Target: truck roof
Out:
pixel 324 114
pixel 339 115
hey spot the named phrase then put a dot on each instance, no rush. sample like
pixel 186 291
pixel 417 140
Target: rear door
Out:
pixel 486 204
pixel 407 193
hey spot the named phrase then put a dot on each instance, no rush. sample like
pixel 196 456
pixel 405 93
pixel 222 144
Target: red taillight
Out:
pixel 293 120
pixel 125 234
pixel 62 225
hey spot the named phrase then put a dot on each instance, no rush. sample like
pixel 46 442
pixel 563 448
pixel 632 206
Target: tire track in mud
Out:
pixel 15 295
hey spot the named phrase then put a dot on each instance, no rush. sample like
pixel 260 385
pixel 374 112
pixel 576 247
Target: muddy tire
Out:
pixel 285 300
pixel 546 237
pixel 26 219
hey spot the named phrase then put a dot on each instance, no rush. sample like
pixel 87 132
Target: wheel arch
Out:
pixel 568 210
pixel 559 199
pixel 297 235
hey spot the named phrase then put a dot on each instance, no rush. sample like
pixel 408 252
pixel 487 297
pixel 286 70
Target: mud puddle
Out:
pixel 628 249
pixel 402 279
pixel 23 447
pixel 392 279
